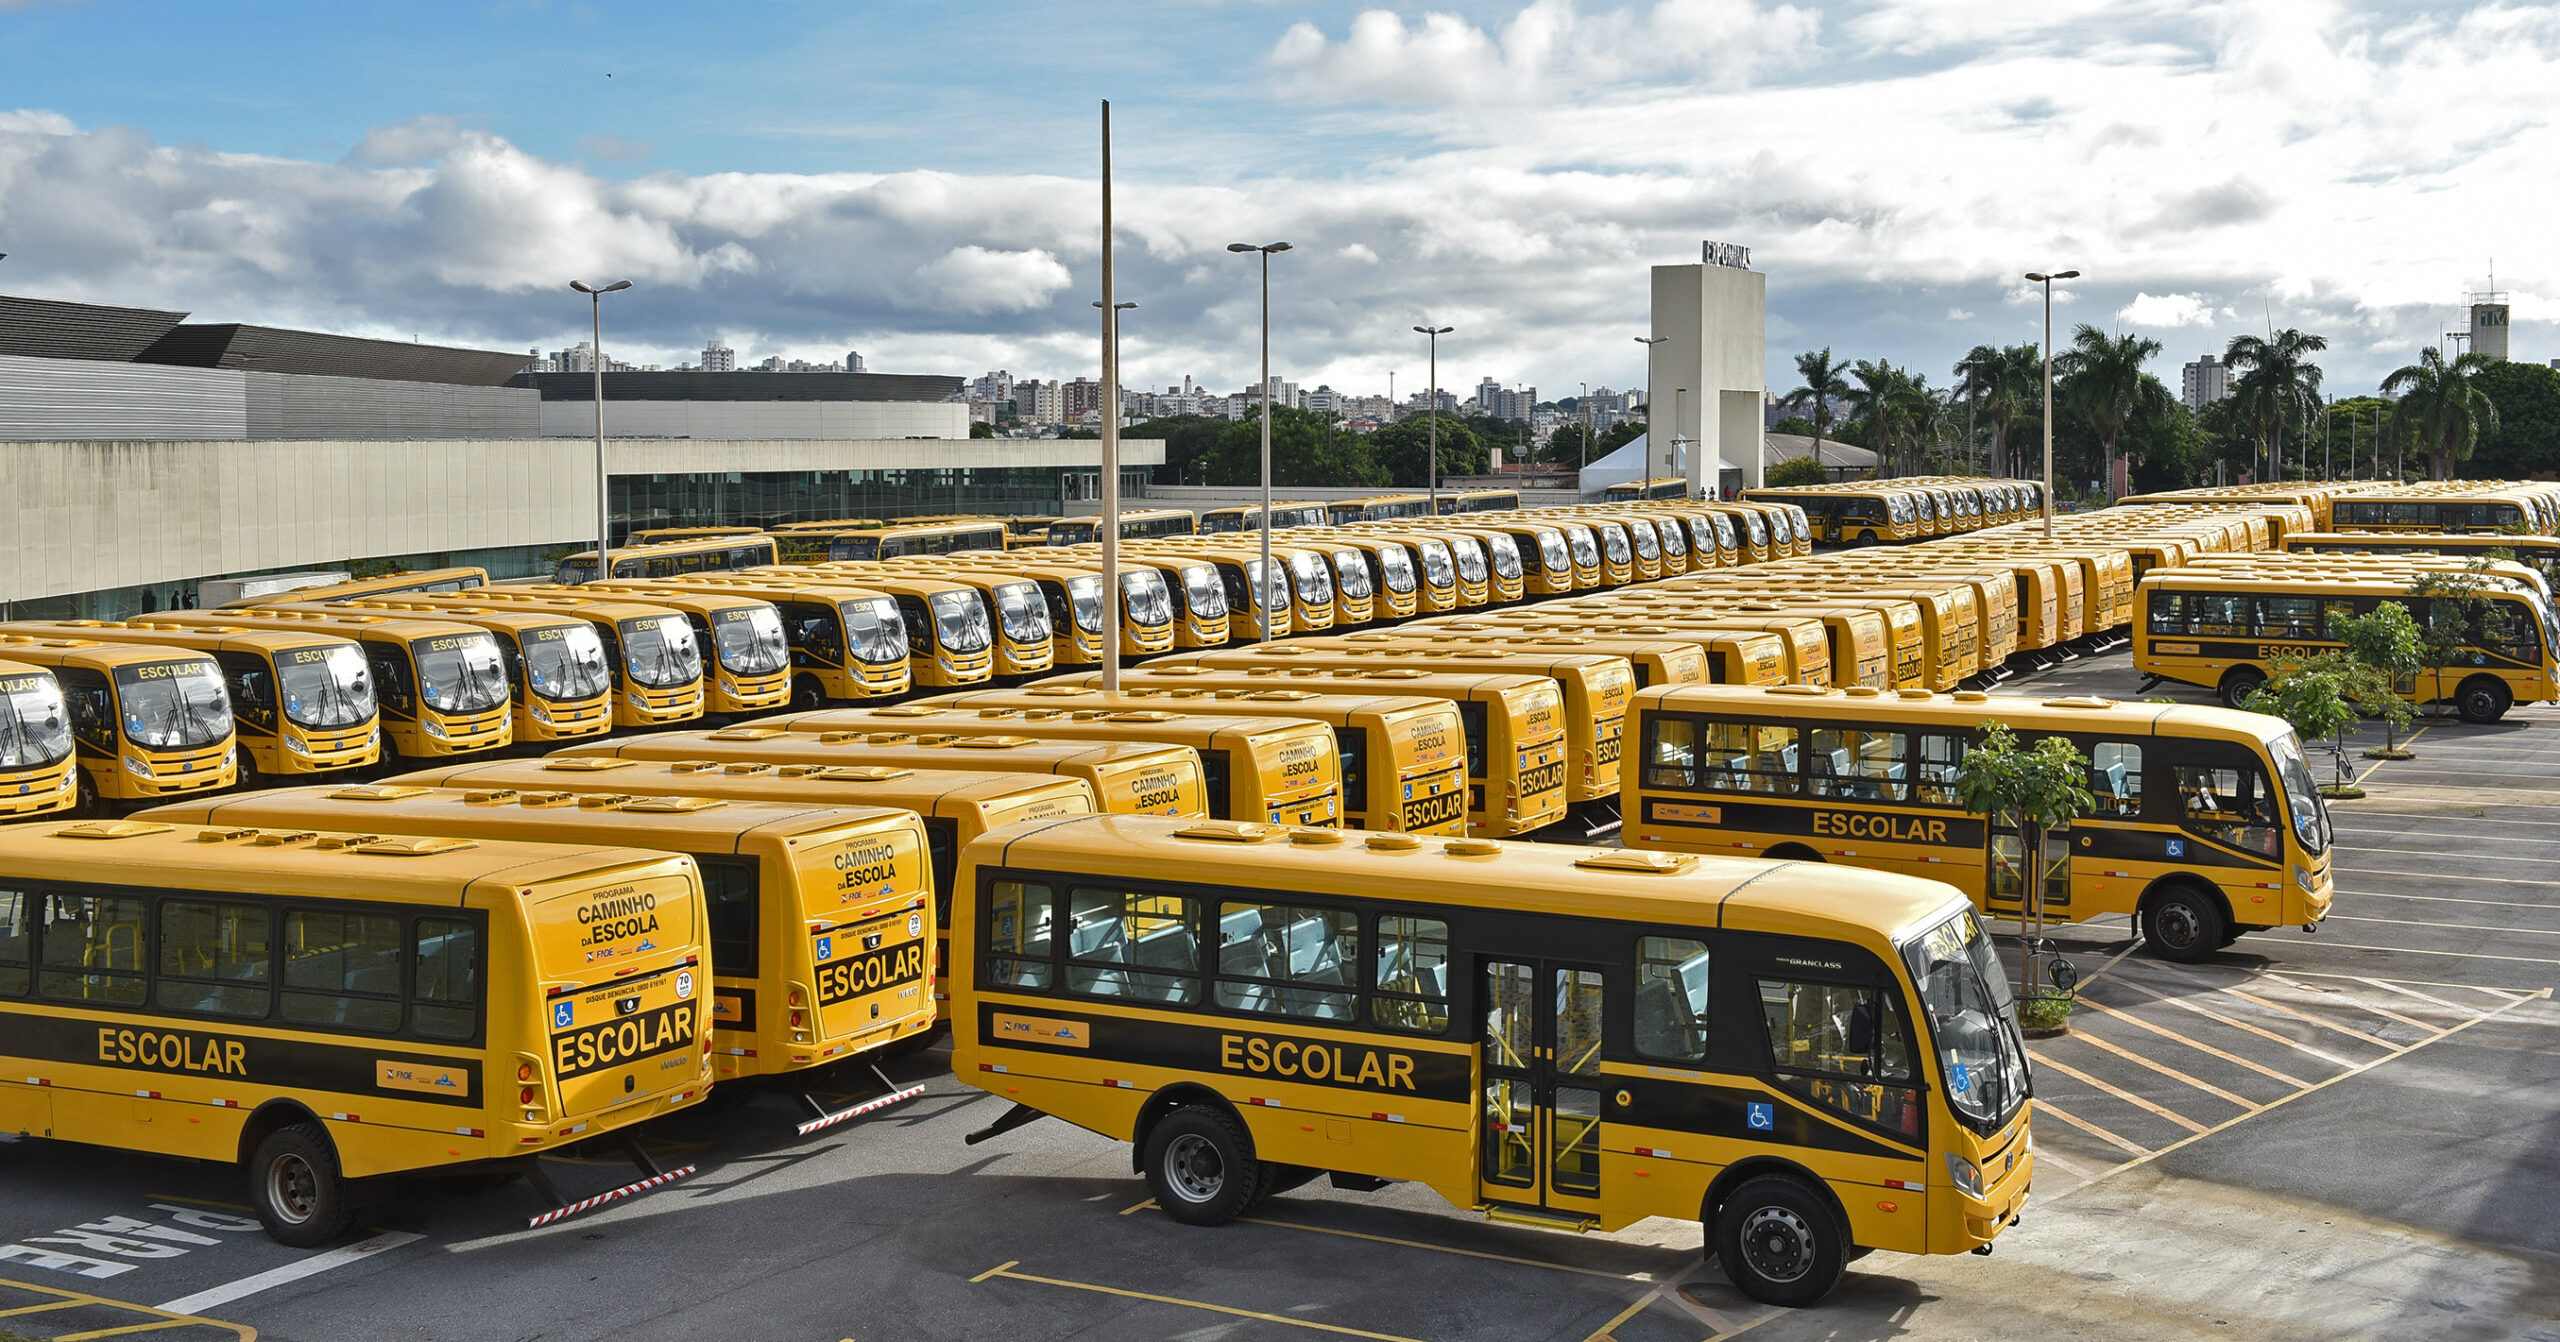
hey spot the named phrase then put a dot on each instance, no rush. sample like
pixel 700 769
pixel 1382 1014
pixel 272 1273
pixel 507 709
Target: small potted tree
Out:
pixel 2314 697
pixel 2037 790
pixel 2387 644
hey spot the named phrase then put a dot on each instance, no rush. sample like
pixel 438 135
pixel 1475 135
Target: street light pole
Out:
pixel 1435 332
pixel 1649 425
pixel 595 313
pixel 1262 596
pixel 2047 282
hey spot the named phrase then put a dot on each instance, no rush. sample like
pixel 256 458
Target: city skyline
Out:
pixel 2212 172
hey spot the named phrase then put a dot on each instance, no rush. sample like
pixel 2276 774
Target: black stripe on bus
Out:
pixel 1725 1112
pixel 1375 1064
pixel 142 1046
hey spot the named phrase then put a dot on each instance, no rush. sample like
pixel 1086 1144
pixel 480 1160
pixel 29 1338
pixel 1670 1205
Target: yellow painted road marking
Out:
pixel 1138 1208
pixel 45 1308
pixel 2388 986
pixel 2403 745
pixel 2166 1033
pixel 1006 1272
pixel 2125 1095
pixel 2414 950
pixel 1606 1331
pixel 2402 1052
pixel 156 1318
pixel 2210 1014
pixel 1421 1244
pixel 2306 1017
pixel 2045 1106
pixel 2163 1069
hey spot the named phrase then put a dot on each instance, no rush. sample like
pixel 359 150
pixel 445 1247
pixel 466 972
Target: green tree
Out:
pixel 1795 471
pixel 2526 438
pixel 1880 403
pixel 2440 409
pixel 2278 385
pixel 1402 450
pixel 2457 606
pixel 1190 448
pixel 1996 383
pixel 2102 377
pixel 1569 445
pixel 2312 696
pixel 1824 387
pixel 979 428
pixel 2387 644
pixel 1616 436
pixel 1794 424
pixel 2165 446
pixel 2036 790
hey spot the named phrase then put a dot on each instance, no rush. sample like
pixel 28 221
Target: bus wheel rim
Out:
pixel 1778 1244
pixel 292 1189
pixel 2177 924
pixel 1194 1168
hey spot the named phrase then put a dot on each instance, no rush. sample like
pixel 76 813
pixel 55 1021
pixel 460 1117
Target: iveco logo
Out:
pixel 625 1006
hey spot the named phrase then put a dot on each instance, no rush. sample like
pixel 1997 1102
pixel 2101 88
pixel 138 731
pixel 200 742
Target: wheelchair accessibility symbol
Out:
pixel 1763 1117
pixel 564 1015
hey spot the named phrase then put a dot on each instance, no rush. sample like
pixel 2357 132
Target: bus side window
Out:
pixel 252 685
pixel 1670 751
pixel 1214 781
pixel 93 717
pixel 1472 720
pixel 729 885
pixel 813 633
pixel 393 687
pixel 1413 974
pixel 2230 804
pixel 1671 998
pixel 1353 744
pixel 1288 961
pixel 17 942
pixel 213 958
pixel 445 1001
pixel 1016 922
pixel 1842 1047
pixel 1124 943
pixel 2168 613
pixel 2288 617
pixel 1751 757
pixel 2115 779
pixel 342 969
pixel 512 657
pixel 91 949
pixel 911 609
pixel 1860 764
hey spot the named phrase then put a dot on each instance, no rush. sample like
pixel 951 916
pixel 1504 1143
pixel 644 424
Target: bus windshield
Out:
pixel 1025 616
pixel 1506 558
pixel 1150 602
pixel 325 687
pixel 660 652
pixel 2301 795
pixel 1396 567
pixel 1353 574
pixel 749 640
pixel 566 663
pixel 1585 551
pixel 460 673
pixel 178 705
pixel 1437 568
pixel 854 547
pixel 1553 552
pixel 34 728
pixel 874 631
pixel 1084 599
pixel 1972 1021
pixel 960 621
pixel 1314 583
pixel 1200 587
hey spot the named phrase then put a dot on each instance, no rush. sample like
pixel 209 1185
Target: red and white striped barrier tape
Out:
pixel 614 1195
pixel 870 1106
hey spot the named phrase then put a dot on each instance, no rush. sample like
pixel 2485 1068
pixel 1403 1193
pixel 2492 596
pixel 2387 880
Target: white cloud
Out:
pixel 2168 310
pixel 975 280
pixel 1549 48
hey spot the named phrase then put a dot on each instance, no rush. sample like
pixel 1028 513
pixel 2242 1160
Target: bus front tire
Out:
pixel 1200 1166
pixel 807 695
pixel 1780 1242
pixel 2482 699
pixel 2238 684
pixel 294 1183
pixel 2183 925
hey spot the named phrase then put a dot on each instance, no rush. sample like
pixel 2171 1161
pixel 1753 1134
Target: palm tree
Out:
pixel 1994 383
pixel 1878 399
pixel 2279 384
pixel 2440 408
pixel 2102 378
pixel 1823 385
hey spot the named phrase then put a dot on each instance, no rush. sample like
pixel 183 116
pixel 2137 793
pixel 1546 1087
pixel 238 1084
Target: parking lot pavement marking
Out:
pixel 1142 1206
pixel 2197 1044
pixel 2418 950
pixel 2045 1106
pixel 2467 857
pixel 291 1272
pixel 1005 1271
pixel 2446 899
pixel 2212 1015
pixel 2442 875
pixel 2449 927
pixel 2359 1070
pixel 1607 1332
pixel 2388 986
pixel 2046 1156
pixel 157 1318
pixel 2163 1069
pixel 2306 1017
pixel 2125 1095
pixel 1442 1248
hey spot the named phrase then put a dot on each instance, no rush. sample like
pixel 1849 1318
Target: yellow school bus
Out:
pixel 672 559
pixel 1739 651
pixel 1281 772
pixel 1135 524
pixel 1237 572
pixel 1502 575
pixel 37 766
pixel 1561 1037
pixel 440 687
pixel 1513 725
pixel 1248 517
pixel 650 654
pixel 951 625
pixel 415 580
pixel 1653 661
pixel 1545 556
pixel 1402 758
pixel 2206 823
pixel 1432 570
pixel 301 703
pixel 1460 501
pixel 1025 641
pixel 322 1007
pixel 559 683
pixel 1197 593
pixel 848 643
pixel 819 918
pixel 1378 508
pixel 748 666
pixel 813 545
pixel 1131 779
pixel 147 722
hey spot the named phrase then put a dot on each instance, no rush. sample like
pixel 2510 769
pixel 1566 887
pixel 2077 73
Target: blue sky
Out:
pixel 915 180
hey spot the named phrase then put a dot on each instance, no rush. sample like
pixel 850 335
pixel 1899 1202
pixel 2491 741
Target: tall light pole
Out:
pixel 1435 332
pixel 1582 411
pixel 2047 282
pixel 1115 337
pixel 1649 426
pixel 595 312
pixel 1262 597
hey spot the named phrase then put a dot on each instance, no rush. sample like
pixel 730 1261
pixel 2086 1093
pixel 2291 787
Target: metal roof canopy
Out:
pixel 743 386
pixel 46 328
pixel 273 349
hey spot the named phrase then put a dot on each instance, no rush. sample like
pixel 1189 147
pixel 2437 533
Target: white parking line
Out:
pixel 290 1272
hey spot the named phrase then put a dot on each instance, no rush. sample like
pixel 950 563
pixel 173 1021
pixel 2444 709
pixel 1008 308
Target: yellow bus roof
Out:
pixel 687 824
pixel 922 790
pixel 164 848
pixel 1962 708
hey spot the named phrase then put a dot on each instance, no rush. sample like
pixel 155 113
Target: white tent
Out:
pixel 1629 463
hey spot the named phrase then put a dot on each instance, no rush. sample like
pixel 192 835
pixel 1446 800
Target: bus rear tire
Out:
pixel 2483 699
pixel 1780 1242
pixel 807 695
pixel 2183 925
pixel 1200 1166
pixel 300 1195
pixel 2238 683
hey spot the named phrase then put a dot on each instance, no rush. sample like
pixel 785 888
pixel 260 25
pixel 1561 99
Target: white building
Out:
pixel 716 358
pixel 2204 382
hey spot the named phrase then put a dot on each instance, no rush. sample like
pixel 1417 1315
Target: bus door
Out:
pixel 1541 1085
pixel 2005 876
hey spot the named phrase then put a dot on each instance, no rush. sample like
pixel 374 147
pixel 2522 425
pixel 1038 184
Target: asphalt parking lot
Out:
pixel 2347 1133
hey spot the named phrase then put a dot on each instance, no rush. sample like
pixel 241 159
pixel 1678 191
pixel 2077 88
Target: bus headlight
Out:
pixel 2302 878
pixel 538 712
pixel 296 744
pixel 1967 1175
pixel 136 767
pixel 431 727
pixel 638 702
